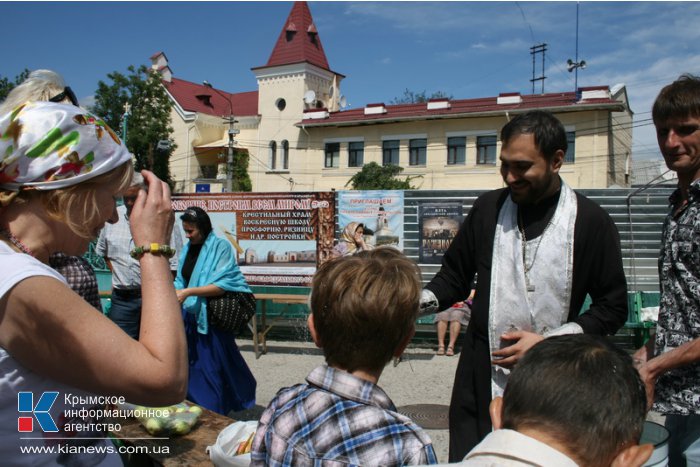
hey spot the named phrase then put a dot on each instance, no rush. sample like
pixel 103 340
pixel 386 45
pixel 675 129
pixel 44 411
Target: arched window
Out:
pixel 285 155
pixel 273 155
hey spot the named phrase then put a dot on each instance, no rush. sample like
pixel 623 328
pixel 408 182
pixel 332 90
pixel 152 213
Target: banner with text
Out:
pixel 278 238
pixel 437 226
pixel 380 211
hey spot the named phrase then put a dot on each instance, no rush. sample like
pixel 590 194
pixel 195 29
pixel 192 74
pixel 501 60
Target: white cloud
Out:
pixel 87 101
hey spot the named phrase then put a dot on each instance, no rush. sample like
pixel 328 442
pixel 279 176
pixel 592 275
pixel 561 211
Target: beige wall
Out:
pixel 588 171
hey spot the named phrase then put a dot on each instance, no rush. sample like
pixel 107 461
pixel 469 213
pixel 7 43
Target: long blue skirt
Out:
pixel 220 379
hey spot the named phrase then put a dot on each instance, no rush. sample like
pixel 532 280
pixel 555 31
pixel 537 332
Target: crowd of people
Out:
pixel 528 387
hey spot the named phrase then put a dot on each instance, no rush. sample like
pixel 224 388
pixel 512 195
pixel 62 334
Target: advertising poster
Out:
pixel 437 226
pixel 278 238
pixel 380 212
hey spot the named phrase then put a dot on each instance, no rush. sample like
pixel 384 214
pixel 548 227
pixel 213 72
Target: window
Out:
pixel 281 104
pixel 456 150
pixel 332 155
pixel 571 151
pixel 486 150
pixel 273 155
pixel 416 151
pixel 285 155
pixel 390 152
pixel 356 152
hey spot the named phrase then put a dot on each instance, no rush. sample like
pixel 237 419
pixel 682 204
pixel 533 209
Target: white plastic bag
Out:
pixel 222 452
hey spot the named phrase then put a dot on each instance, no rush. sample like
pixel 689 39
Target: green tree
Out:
pixel 411 97
pixel 380 177
pixel 149 130
pixel 241 178
pixel 6 85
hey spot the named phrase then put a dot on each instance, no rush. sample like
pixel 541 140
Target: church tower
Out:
pixel 296 79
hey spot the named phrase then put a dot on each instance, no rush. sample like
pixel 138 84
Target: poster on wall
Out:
pixel 278 238
pixel 379 211
pixel 437 227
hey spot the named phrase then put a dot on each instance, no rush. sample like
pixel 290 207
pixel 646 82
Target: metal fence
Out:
pixel 637 212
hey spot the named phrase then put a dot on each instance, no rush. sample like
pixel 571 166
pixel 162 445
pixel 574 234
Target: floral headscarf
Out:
pixel 46 146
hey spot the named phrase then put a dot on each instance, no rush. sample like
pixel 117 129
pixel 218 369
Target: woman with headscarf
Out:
pixel 220 379
pixel 61 170
pixel 352 240
pixel 47 85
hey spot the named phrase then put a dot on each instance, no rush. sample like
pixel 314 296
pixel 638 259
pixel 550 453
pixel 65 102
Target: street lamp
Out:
pixel 232 132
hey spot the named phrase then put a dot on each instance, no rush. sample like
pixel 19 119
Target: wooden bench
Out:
pixel 260 333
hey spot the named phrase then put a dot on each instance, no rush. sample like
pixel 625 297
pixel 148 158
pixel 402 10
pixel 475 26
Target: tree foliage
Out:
pixel 380 177
pixel 411 97
pixel 6 85
pixel 148 124
pixel 241 178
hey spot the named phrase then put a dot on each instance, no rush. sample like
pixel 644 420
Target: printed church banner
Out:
pixel 437 227
pixel 278 238
pixel 380 211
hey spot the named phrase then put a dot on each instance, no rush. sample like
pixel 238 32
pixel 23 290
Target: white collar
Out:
pixel 521 448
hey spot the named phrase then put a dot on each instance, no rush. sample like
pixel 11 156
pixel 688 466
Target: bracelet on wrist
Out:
pixel 155 249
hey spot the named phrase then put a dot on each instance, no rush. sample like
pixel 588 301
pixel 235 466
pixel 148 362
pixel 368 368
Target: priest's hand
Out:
pixel 520 342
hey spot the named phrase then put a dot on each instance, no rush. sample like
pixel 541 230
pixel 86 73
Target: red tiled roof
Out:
pixel 465 108
pixel 210 102
pixel 299 40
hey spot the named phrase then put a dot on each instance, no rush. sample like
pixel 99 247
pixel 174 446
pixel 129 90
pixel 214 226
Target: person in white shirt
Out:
pixel 61 170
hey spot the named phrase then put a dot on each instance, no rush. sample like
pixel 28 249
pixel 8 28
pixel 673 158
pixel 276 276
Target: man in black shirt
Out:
pixel 538 248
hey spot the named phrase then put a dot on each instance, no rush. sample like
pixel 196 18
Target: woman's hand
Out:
pixel 360 240
pixel 182 294
pixel 152 216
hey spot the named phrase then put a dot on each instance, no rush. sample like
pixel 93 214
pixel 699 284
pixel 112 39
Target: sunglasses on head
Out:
pixel 190 215
pixel 66 94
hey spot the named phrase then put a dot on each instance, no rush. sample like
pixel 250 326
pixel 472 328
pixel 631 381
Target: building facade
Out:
pixel 298 137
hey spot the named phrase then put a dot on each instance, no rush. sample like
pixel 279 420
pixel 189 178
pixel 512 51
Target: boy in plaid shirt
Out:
pixel 363 313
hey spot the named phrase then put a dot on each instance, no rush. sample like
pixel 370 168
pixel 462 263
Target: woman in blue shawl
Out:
pixel 219 378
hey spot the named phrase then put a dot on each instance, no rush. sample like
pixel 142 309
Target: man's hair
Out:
pixel 40 85
pixel 364 306
pixel 581 390
pixel 549 133
pixel 199 217
pixel 678 100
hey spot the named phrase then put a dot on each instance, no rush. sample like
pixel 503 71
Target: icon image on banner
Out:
pixel 40 411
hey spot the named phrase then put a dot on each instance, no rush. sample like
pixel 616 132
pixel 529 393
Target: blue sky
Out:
pixel 465 49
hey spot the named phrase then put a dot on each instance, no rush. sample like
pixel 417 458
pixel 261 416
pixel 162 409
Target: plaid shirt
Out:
pixel 678 390
pixel 79 275
pixel 337 419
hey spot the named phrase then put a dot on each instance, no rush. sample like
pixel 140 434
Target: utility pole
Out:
pixel 574 65
pixel 534 50
pixel 232 132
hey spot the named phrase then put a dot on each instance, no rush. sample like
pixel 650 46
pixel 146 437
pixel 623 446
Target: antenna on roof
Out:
pixel 309 97
pixel 343 102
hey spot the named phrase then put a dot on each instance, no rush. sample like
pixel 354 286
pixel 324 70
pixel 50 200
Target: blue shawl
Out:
pixel 215 265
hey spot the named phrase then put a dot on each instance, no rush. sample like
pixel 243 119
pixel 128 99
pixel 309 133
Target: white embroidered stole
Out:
pixel 544 305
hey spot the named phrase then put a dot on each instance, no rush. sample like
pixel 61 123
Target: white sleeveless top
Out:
pixel 39 448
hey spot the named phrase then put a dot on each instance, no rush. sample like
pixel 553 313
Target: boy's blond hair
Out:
pixel 364 307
